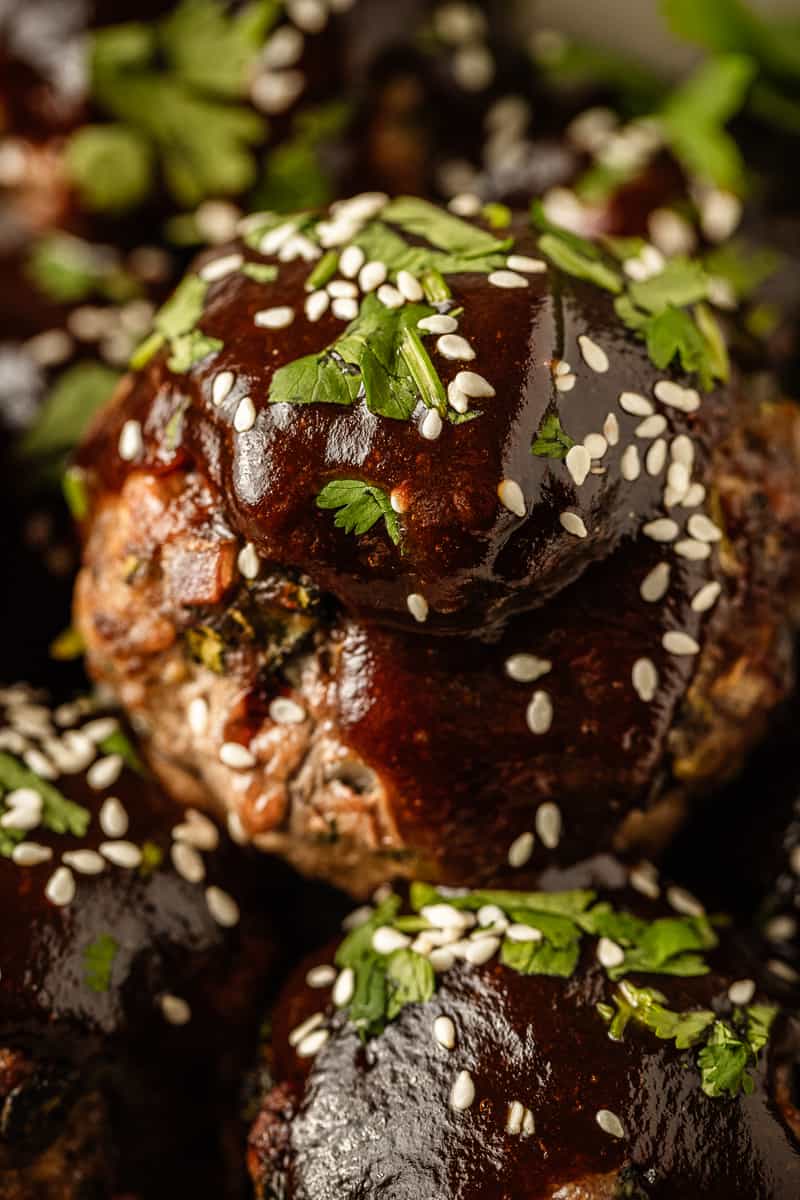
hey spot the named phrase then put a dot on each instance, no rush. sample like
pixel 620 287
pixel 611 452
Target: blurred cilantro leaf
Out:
pixel 360 505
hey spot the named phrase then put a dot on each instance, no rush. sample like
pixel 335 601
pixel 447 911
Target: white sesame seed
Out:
pixel 652 426
pixel 520 850
pixel 679 643
pixel 345 309
pixel 644 678
pixel 742 991
pixel 610 1123
pixel 322 976
pixel 197 715
pixel 682 450
pixel 417 606
pixel 344 987
pixel 431 425
pixel 309 15
pixel 316 304
pixel 452 345
pixel 197 830
pixel 221 387
pixel 222 906
pixel 465 204
pixel 596 445
pixel 548 824
pixel 675 396
pixel 684 902
pixel 560 367
pixel 782 970
pixel 643 878
pixel 611 429
pixel 636 405
pixel 283 47
pixel 490 914
pixel 351 261
pixel 438 323
pixel 481 951
pixel 105 772
pixel 446 916
pixel 274 318
pixel 573 524
pixel 678 479
pixel 30 854
pixel 187 862
pixel 234 754
pixel 247 561
pixel 670 232
pixel 706 597
pixel 130 443
pixel 285 711
pixel 526 668
pixel 273 239
pixel 99 729
pixel 629 465
pixel 305 1027
pixel 218 268
pixel 539 713
pixel 312 1043
pixel 472 384
pixel 409 286
pixel 578 462
pixel 371 276
pixel 22 818
pixel 342 289
pixel 462 1093
pixel 720 213
pixel 444 1032
pixel 174 1009
pixel 511 497
pixel 274 91
pixel 655 583
pixel 663 529
pixel 609 953
pixel 656 457
pixel 514 1117
pixel 121 854
pixel 390 297
pixel 523 933
pixel 507 279
pixel 245 416
pixel 39 763
pixel 703 529
pixel 594 356
pixel 693 550
pixel 782 928
pixel 386 940
pixel 60 889
pixel 521 262
pixel 85 862
pixel 565 382
pixel 528 1124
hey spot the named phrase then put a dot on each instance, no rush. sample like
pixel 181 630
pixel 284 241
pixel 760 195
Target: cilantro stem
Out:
pixel 422 370
pixel 323 272
pixel 435 286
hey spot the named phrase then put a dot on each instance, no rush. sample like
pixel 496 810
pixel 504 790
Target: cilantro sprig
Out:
pixel 175 325
pixel 98 962
pixel 360 506
pixel 59 814
pixel 552 441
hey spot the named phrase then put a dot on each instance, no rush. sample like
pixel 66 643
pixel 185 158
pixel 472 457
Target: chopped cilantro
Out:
pixel 119 743
pixel 435 286
pixel 183 310
pixel 496 215
pixel 98 962
pixel 213 50
pixel 551 440
pixel 411 980
pixel 68 646
pixel 191 348
pixel 174 323
pixel 59 814
pixel 323 271
pixel 260 272
pixel 152 858
pixel 67 269
pixel 76 492
pixel 744 266
pixel 442 229
pixel 75 396
pixel 682 281
pixel 574 261
pixel 111 166
pixel 723 1062
pixel 295 172
pixel 206 646
pixel 360 505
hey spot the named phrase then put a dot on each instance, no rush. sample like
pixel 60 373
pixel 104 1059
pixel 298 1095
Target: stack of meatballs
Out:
pixel 406 417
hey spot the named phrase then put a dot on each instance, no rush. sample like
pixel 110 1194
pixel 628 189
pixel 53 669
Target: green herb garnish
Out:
pixel 75 396
pixel 112 166
pixel 67 269
pixel 59 814
pixel 744 266
pixel 98 962
pixel 119 743
pixel 76 492
pixel 442 229
pixel 551 440
pixel 360 506
pixel 67 646
pixel 175 325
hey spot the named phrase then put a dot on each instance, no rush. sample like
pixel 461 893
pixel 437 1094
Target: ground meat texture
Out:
pixel 132 975
pixel 375 1117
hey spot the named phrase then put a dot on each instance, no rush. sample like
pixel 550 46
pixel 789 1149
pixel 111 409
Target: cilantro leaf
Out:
pixel 723 1063
pixel 59 814
pixel 758 1021
pixel 175 323
pixel 75 396
pixel 576 262
pixel 358 942
pixel 744 266
pixel 367 1008
pixel 212 50
pixel 119 743
pixel 360 506
pixel 112 166
pixel 442 229
pixel 181 312
pixel 382 244
pixel 540 958
pixel 295 173
pixel 682 281
pixel 551 440
pixel 569 904
pixel 98 962
pixel 411 980
pixel 260 272
pixel 191 348
pixel 723 26
pixel 67 269
pixel 76 492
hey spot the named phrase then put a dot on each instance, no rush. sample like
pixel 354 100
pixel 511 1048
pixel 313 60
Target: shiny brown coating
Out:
pixel 373 1118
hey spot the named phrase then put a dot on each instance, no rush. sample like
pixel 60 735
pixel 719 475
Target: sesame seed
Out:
pixel 679 643
pixel 99 729
pixel 386 940
pixel 431 425
pixel 274 92
pixel 511 497
pixel 703 529
pixel 663 529
pixel 85 862
pixel 274 318
pixel 305 1027
pixel 594 356
pixel 611 429
pixel 60 889
pixel 514 1117
pixel 643 878
pixel 345 309
pixel 390 297
pixel 565 382
pixel 540 713
pixel 174 1009
pixel 218 268
pixel 578 462
pixel 548 824
pixel 462 1093
pixel 652 426
pixel 452 345
pixel 342 289
pixel 105 772
pixel 521 262
pixel 465 204
pixel 528 1124
pixel 610 1123
pixel 247 561
pixel 312 1043
pixel 507 279
pixel 187 862
pixel 273 239
pixel 523 933
pixel 285 711
pixel 706 597
pixel 309 15
pixel 39 763
pixel 656 457
pixel 409 286
pixel 720 213
pixel 30 854
pixel 457 399
pixel 344 987
pixel 130 443
pixel 438 323
pixel 684 902
pixel 446 916
pixel 121 854
pixel 197 830
pixel 677 481
pixel 245 416
pixel 351 261
pixel 222 906
pixel 479 952
pixel 742 991
pixel 629 465
pixel 221 387
pixel 316 304
pixel 675 396
pixel 526 668
pixel 321 976
pixel 636 405
pixel 520 850
pixel 596 445
pixel 782 970
pixel 371 276
pixel 655 583
pixel 234 754
pixel 609 953
pixel 782 928
pixel 472 384
pixel 693 550
pixel 197 715
pixel 644 678
pixel 283 48
pixel 397 501
pixel 444 1032
pixel 670 232
pixel 573 524
pixel 417 606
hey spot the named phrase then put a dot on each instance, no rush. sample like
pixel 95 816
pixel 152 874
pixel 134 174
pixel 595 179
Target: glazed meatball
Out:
pixel 132 970
pixel 525 1044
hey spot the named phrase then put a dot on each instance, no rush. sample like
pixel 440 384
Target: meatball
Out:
pixel 131 975
pixel 406 638
pixel 527 1044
